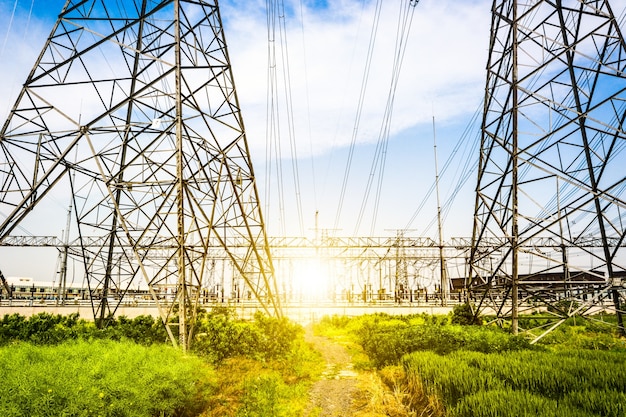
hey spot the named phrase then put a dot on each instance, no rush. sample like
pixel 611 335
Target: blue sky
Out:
pixel 327 42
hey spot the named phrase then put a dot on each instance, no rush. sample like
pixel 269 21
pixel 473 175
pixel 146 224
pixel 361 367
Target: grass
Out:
pixel 436 368
pixel 277 387
pixel 413 365
pixel 101 378
pixel 239 368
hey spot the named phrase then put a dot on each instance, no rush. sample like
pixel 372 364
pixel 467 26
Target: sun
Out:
pixel 310 279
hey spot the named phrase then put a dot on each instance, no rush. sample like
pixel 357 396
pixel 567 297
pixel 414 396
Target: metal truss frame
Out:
pixel 404 263
pixel 131 110
pixel 551 162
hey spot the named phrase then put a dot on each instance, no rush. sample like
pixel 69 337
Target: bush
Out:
pixel 277 335
pixel 220 336
pixel 385 343
pixel 51 329
pixel 464 314
pixel 42 328
pixel 144 330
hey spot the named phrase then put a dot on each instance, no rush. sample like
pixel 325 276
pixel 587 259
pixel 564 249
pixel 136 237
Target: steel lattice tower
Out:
pixel 552 161
pixel 132 106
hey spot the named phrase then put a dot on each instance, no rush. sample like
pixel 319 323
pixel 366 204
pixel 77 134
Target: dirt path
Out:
pixel 344 392
pixel 334 394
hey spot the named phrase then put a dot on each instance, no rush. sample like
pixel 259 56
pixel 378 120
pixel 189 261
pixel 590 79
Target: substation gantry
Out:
pixel 336 268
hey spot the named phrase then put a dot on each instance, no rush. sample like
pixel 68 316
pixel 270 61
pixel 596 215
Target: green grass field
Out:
pixel 65 366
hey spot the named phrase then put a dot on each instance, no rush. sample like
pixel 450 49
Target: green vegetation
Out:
pixel 386 339
pixel 220 336
pixel 578 333
pixel 264 367
pixel 55 365
pixel 101 378
pixel 447 369
pixel 49 329
pixel 567 383
pixel 464 314
pixel 432 365
pixel 252 388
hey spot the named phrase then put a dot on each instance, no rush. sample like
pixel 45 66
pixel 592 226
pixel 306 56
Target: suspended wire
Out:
pixel 268 107
pixel 467 173
pixel 308 108
pixel 290 117
pixel 406 19
pixel 340 116
pixel 272 127
pixel 277 31
pixel 359 111
pixel 18 226
pixel 469 155
pixel 9 27
pixel 6 39
pixel 378 162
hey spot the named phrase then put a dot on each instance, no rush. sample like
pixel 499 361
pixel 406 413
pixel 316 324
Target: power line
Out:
pixel 378 162
pixel 361 101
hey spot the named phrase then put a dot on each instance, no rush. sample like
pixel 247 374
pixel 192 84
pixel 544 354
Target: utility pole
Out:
pixel 444 283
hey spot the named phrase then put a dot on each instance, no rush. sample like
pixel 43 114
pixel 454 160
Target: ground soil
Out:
pixel 345 392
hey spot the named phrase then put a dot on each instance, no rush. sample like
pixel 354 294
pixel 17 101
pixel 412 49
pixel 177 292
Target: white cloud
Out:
pixel 443 67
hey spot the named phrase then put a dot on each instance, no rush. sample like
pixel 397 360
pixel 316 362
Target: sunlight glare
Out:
pixel 311 280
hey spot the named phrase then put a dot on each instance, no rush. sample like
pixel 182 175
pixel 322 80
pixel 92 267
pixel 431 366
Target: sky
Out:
pixel 324 45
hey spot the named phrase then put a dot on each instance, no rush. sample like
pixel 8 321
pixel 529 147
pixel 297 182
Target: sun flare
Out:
pixel 311 279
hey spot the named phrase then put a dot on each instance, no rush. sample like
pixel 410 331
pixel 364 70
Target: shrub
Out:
pixel 220 336
pixel 144 330
pixel 385 343
pixel 464 314
pixel 277 335
pixel 42 328
pixel 51 329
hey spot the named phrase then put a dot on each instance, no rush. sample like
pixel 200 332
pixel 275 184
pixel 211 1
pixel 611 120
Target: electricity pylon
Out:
pixel 131 110
pixel 552 162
